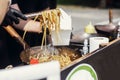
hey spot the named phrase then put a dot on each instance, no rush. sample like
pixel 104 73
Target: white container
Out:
pixel 96 41
pixel 63 37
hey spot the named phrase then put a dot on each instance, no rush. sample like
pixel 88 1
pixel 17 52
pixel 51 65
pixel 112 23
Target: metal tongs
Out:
pixel 49 48
pixel 15 35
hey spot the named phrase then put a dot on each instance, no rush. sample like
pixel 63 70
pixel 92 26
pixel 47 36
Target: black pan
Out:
pixel 107 29
pixel 25 54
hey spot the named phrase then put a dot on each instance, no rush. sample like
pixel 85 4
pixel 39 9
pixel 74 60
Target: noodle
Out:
pixel 51 20
pixel 26 30
pixel 64 60
pixel 65 56
pixel 48 19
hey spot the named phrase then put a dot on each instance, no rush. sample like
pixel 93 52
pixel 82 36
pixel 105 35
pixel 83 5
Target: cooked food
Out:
pixel 65 57
pixel 49 19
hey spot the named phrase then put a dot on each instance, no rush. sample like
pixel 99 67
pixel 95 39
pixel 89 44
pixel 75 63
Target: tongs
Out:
pixel 15 35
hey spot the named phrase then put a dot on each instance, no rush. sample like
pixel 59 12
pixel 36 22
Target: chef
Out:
pixel 34 32
pixel 8 16
pixel 11 48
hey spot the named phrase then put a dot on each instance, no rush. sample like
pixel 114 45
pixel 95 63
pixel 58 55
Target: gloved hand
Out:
pixel 12 16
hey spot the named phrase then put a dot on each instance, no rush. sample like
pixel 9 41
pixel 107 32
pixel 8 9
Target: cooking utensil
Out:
pixel 15 35
pixel 106 29
pixel 44 51
pixel 33 51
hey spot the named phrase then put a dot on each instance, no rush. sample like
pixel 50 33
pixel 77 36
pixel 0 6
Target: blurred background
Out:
pixel 92 3
pixel 85 11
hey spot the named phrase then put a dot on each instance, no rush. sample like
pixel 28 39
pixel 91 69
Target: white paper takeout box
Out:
pixel 65 30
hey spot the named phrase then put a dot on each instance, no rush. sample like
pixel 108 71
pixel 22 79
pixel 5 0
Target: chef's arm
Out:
pixel 28 25
pixel 10 15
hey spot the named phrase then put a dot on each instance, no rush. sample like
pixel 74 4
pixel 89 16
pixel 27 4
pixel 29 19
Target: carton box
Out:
pixel 63 37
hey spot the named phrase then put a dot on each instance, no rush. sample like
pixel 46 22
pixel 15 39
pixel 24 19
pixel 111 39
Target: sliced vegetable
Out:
pixel 34 61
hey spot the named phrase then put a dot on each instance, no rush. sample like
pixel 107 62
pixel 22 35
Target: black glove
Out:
pixel 12 16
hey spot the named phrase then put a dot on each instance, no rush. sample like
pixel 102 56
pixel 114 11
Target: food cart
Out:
pixel 102 64
pixel 105 62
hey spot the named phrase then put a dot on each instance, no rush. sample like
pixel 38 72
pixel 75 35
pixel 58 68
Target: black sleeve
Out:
pixel 14 1
pixel 52 4
pixel 29 6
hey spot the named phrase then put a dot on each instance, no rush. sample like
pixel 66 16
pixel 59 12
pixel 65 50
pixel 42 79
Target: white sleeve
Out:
pixel 10 1
pixel 4 4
